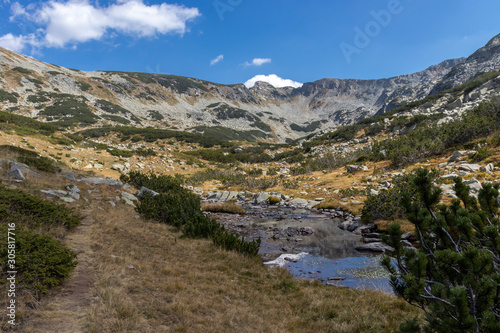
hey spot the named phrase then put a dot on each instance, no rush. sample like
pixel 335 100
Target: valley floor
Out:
pixel 139 276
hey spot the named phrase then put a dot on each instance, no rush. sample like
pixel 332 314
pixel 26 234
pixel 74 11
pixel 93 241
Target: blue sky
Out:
pixel 232 41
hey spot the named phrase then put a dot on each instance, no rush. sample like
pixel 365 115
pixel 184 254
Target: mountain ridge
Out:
pixel 271 114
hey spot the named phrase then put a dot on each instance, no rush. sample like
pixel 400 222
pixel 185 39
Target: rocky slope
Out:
pixel 484 60
pixel 93 99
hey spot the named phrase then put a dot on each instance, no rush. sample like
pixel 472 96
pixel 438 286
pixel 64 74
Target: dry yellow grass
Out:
pixel 226 207
pixel 149 279
pixel 139 276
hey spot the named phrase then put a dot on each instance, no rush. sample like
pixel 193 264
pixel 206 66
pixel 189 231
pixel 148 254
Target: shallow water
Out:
pixel 330 253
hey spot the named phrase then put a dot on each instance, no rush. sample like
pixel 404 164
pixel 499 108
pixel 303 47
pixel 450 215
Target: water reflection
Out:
pixel 331 253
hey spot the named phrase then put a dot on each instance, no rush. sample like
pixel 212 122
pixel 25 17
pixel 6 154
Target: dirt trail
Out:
pixel 65 310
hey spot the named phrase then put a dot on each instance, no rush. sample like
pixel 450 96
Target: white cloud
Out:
pixel 258 62
pixel 273 80
pixel 17 10
pixel 216 60
pixel 17 43
pixel 78 21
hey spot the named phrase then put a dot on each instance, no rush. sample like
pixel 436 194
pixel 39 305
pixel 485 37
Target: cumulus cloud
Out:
pixel 258 62
pixel 78 21
pixel 17 43
pixel 216 60
pixel 273 80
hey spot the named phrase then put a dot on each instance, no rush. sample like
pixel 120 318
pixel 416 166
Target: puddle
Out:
pixel 328 252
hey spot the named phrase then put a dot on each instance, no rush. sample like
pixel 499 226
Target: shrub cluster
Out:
pixel 454 276
pixel 22 208
pixel 41 261
pixel 432 140
pixel 31 158
pixel 180 208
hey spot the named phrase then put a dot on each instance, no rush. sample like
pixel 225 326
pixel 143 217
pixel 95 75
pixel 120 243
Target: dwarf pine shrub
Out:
pixel 454 276
pixel 180 208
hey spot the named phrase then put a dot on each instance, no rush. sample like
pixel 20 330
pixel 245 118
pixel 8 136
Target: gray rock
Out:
pixel 19 166
pixel 474 184
pixel 344 225
pixel 355 168
pixel 144 190
pixel 469 167
pixel 353 226
pixel 299 202
pixel 224 196
pixel 16 174
pixel 118 167
pixel 372 235
pixel 375 247
pixel 374 192
pixel 67 199
pixel 488 168
pixel 128 196
pixel 73 191
pixel 456 156
pixel 103 181
pixel 260 198
pixel 406 235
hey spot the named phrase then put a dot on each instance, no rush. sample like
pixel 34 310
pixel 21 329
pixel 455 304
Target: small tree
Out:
pixel 454 276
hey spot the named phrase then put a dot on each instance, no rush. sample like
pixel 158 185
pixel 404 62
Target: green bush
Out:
pixel 116 119
pixel 20 207
pixel 122 153
pixel 432 140
pixel 480 155
pixel 145 152
pixel 40 261
pixel 454 276
pixel 180 208
pixel 31 158
pixel 21 70
pixel 41 163
pixel 70 110
pixel 387 204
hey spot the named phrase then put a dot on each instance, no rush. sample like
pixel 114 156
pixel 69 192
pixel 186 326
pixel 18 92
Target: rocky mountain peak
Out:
pixel 484 60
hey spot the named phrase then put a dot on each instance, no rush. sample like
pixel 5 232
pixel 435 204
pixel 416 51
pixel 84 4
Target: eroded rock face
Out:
pixel 484 60
pixel 285 112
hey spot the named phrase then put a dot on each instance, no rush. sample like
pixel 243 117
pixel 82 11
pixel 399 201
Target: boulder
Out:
pixel 374 247
pixel 299 202
pixel 73 191
pixel 145 190
pixel 16 174
pixel 469 167
pixel 224 196
pixel 104 181
pixel 118 167
pixel 456 156
pixel 128 196
pixel 488 168
pixel 260 198
pixel 18 166
pixel 474 184
pixel 355 168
